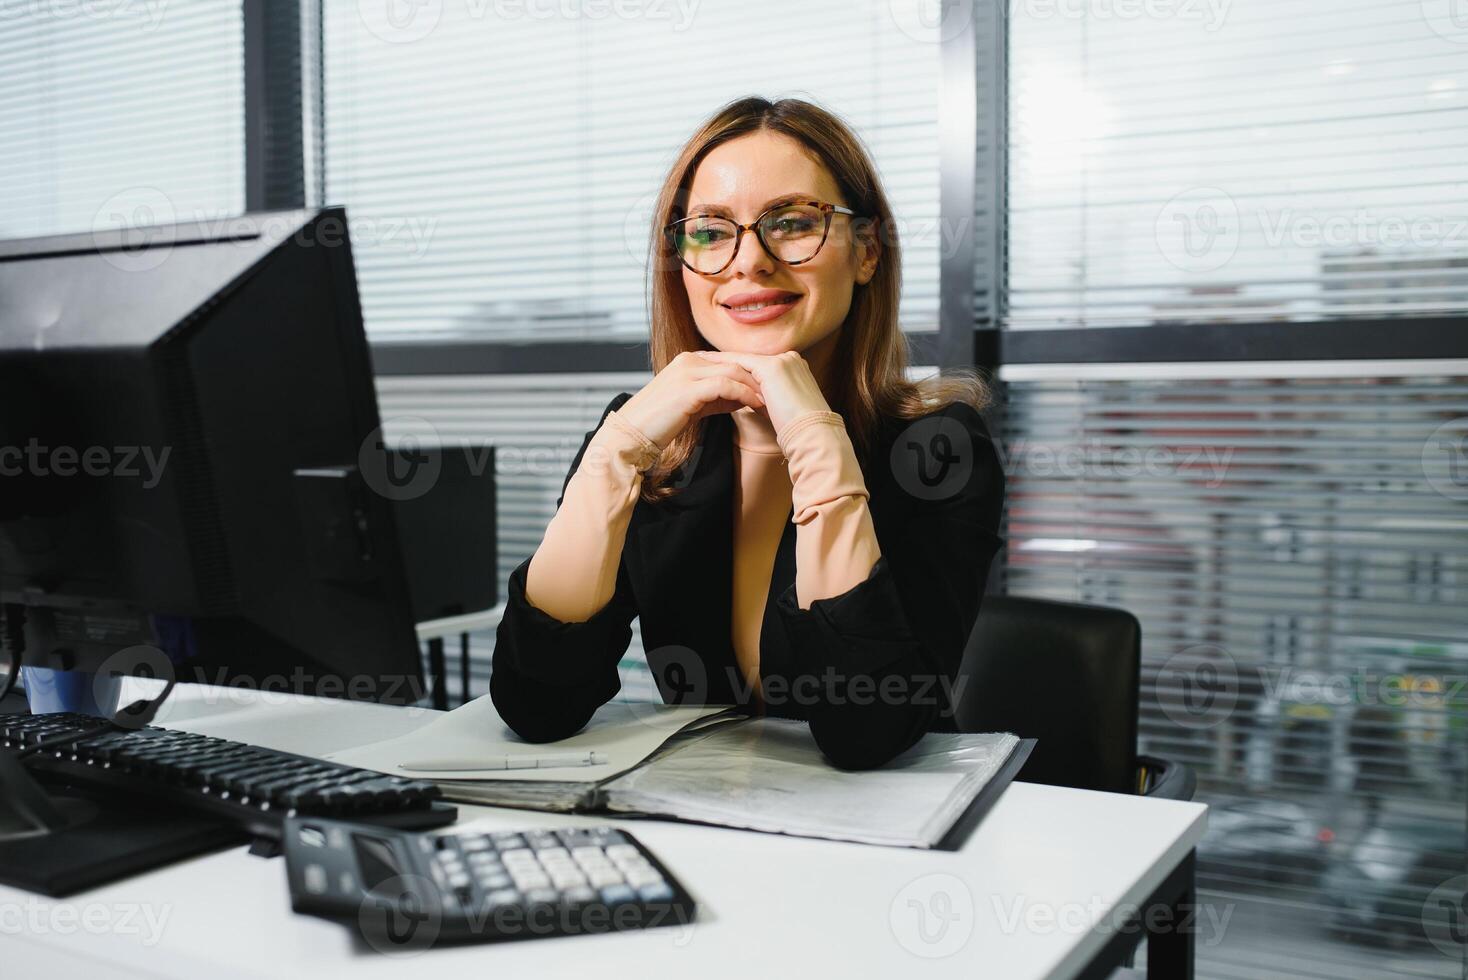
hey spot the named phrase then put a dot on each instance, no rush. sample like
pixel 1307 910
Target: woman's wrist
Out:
pixel 619 445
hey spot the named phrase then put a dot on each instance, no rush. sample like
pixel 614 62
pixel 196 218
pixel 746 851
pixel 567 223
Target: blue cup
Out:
pixel 49 691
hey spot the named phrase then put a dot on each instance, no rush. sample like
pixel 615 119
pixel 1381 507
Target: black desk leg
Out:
pixel 1170 949
pixel 438 673
pixel 464 668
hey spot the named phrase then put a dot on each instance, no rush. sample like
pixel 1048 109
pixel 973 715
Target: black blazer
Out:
pixel 871 669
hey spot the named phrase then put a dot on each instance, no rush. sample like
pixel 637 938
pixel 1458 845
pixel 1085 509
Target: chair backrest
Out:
pixel 1063 673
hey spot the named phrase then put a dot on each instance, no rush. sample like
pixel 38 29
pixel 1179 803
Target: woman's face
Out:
pixel 740 180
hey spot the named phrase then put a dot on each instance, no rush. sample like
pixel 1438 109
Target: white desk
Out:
pixel 1017 901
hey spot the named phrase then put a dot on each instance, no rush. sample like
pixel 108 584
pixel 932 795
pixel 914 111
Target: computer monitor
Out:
pixel 191 459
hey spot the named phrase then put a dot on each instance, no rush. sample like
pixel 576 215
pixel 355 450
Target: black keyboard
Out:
pixel 256 789
pixel 405 890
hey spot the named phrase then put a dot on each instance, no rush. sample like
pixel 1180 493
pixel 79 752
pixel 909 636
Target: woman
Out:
pixel 801 530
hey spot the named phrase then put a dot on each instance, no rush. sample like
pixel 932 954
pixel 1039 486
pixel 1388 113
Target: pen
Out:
pixel 566 760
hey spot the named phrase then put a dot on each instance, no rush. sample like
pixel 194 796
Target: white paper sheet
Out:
pixel 622 731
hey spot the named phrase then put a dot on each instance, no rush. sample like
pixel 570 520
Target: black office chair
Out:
pixel 1068 675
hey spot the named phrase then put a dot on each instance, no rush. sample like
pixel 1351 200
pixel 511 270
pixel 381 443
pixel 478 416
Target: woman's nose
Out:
pixel 752 259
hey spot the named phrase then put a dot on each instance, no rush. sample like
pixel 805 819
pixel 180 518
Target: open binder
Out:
pixel 715 766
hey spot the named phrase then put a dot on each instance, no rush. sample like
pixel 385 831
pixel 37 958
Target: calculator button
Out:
pixel 623 852
pixel 507 841
pixel 580 895
pixel 546 896
pixel 602 879
pixel 529 880
pixel 637 878
pixel 502 897
pixel 659 892
pixel 555 853
pixel 566 879
pixel 495 881
pixel 618 895
pixel 474 843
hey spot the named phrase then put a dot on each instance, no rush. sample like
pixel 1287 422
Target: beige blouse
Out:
pixel 806 473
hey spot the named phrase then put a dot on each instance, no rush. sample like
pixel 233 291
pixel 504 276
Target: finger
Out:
pixel 717 387
pixel 736 371
pixel 750 362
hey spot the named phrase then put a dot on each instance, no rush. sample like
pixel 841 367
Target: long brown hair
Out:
pixel 868 368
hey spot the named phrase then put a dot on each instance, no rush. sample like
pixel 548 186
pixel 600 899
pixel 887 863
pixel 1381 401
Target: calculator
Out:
pixel 412 890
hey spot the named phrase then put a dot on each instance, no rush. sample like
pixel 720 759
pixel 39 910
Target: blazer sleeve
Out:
pixel 548 677
pixel 884 655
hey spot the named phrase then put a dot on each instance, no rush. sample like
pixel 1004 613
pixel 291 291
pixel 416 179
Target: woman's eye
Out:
pixel 708 236
pixel 794 225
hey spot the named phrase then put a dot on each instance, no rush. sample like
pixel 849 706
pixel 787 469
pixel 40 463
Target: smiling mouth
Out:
pixel 764 305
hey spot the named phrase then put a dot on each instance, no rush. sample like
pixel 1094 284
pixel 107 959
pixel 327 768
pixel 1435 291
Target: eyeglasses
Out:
pixel 792 233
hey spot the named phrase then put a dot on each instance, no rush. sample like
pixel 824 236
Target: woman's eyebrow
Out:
pixel 719 209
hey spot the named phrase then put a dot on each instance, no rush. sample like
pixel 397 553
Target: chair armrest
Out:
pixel 1164 779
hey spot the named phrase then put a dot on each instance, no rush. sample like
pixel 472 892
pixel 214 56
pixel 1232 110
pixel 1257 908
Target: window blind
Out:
pixel 499 162
pixel 119 115
pixel 1297 552
pixel 1212 162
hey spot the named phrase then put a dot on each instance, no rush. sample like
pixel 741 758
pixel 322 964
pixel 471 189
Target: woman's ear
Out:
pixel 868 250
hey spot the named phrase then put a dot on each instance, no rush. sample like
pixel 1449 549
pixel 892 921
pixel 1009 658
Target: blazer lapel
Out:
pixel 682 565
